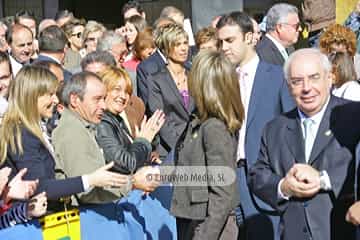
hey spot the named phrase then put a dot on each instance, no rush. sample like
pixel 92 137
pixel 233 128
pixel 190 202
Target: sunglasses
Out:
pixel 78 35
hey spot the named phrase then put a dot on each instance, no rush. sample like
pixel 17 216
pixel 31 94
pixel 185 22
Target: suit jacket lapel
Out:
pixel 276 51
pixel 324 134
pixel 256 91
pixel 294 137
pixel 176 91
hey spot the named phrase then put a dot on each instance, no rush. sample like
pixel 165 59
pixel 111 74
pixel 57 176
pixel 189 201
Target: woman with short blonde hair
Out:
pixel 169 36
pixel 168 88
pixel 92 32
pixel 112 75
pixel 128 149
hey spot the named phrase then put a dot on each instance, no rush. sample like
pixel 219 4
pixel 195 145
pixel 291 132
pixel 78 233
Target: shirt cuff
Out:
pixel 85 183
pixel 280 194
pixel 325 179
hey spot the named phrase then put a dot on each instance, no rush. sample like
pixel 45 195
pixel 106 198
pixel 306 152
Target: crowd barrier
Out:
pixel 135 217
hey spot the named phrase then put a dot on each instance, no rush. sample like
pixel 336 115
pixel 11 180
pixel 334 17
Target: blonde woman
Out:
pixel 24 142
pixel 92 32
pixel 168 89
pixel 205 211
pixel 114 133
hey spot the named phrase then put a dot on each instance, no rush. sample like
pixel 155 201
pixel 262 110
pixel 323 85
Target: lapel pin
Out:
pixel 195 135
pixel 328 133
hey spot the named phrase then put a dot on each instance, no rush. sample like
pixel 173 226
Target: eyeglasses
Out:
pixel 296 26
pixel 78 35
pixel 298 82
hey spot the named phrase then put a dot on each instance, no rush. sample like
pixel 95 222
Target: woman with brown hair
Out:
pixel 133 26
pixel 345 84
pixel 204 210
pixel 144 46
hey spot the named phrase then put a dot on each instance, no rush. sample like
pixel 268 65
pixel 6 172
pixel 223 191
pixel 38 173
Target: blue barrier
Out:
pixel 134 217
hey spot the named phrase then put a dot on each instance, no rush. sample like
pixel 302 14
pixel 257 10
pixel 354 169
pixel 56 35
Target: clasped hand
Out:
pixel 301 181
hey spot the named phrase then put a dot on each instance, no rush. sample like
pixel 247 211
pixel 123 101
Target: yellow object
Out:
pixel 62 225
pixel 343 9
pixel 305 33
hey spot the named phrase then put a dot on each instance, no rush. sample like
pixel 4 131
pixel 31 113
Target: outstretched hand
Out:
pixel 102 177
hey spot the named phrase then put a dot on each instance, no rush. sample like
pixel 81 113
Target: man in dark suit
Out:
pixel 305 168
pixel 152 64
pixel 52 43
pixel 282 31
pixel 265 95
pixel 146 68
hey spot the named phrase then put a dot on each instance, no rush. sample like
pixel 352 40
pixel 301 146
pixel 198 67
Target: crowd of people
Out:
pixel 89 113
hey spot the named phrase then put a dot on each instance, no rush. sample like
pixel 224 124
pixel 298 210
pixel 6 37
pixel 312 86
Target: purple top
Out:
pixel 186 98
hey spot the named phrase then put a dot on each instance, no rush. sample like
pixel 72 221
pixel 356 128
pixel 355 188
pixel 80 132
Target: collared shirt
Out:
pixel 15 65
pixel 280 47
pixel 162 56
pixel 316 119
pixel 246 83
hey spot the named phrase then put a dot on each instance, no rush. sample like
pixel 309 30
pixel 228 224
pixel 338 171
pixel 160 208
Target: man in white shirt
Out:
pixel 282 31
pixel 304 166
pixel 20 40
pixel 264 95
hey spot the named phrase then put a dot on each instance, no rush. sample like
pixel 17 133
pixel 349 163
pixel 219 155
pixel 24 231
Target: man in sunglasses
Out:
pixel 282 32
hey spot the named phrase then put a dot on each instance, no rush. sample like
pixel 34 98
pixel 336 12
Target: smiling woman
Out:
pixel 129 150
pixel 24 142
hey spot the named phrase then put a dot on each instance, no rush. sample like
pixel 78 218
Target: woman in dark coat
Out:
pixel 114 134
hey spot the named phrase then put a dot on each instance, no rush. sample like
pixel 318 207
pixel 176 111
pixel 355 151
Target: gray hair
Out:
pixel 278 14
pixel 324 61
pixel 77 86
pixel 108 39
pixel 169 11
pixel 98 56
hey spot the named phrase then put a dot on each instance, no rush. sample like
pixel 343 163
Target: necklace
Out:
pixel 179 77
